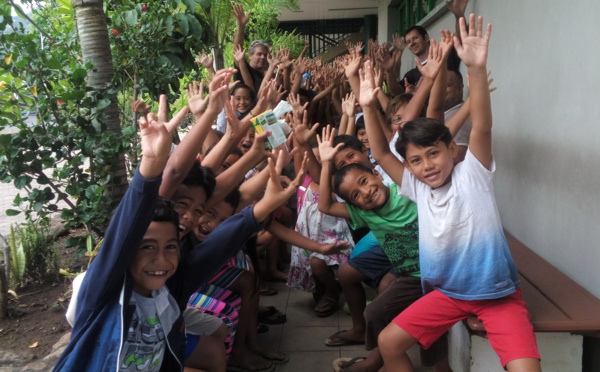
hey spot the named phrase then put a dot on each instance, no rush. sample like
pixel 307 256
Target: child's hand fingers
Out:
pixel 171 125
pixel 162 108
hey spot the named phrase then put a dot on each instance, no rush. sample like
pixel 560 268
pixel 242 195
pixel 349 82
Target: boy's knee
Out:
pixel 348 275
pixel 221 333
pixel 394 339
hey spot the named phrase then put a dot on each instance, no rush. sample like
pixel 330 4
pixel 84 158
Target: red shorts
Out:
pixel 506 321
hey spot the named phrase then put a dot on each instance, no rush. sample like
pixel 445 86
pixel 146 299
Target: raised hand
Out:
pixel 205 60
pixel 368 89
pixel 326 150
pixel 196 100
pixel 275 193
pixel 385 58
pixel 348 104
pixel 302 133
pixel 399 43
pixel 139 106
pixel 434 61
pixel 239 54
pixel 457 7
pixel 218 89
pixel 155 138
pixel 353 65
pixel 473 49
pixel 446 43
pixel 241 18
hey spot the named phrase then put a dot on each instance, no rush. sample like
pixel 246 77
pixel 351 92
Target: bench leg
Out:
pixel 561 352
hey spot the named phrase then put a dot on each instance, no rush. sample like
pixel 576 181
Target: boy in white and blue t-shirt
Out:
pixel 466 267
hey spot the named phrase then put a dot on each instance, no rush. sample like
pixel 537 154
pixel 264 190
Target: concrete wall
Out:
pixel 546 64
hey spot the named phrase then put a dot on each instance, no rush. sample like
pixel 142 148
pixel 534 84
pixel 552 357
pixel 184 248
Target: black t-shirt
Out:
pixel 257 77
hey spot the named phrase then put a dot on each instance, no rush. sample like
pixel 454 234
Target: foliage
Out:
pixel 17 253
pixel 39 252
pixel 54 153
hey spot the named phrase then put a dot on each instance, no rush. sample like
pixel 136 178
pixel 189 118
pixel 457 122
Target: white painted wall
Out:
pixel 546 64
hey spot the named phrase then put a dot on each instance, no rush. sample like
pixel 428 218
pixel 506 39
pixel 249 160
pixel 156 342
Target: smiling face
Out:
pixel 156 259
pixel 212 218
pixel 258 59
pixel 417 44
pixel 431 165
pixel 350 156
pixel 364 189
pixel 242 100
pixel 361 134
pixel 189 204
pixel 247 141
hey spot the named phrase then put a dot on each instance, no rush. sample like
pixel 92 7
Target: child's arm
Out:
pixel 457 7
pixel 131 219
pixel 206 60
pixel 241 19
pixel 350 117
pixel 231 138
pixel 233 175
pixel 239 56
pixel 352 68
pixel 303 135
pixel 380 147
pixel 185 154
pixel 293 237
pixel 435 108
pixel 473 52
pixel 326 203
pixel 252 188
pixel 228 237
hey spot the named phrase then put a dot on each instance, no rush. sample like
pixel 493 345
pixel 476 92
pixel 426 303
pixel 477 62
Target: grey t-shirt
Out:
pixel 144 346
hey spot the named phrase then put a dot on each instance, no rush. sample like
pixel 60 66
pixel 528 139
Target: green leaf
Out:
pixel 104 103
pixel 195 27
pixel 184 26
pixel 131 17
pixel 191 4
pixel 21 182
pixel 12 212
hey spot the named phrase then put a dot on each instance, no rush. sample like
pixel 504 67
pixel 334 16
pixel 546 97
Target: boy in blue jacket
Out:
pixel 129 312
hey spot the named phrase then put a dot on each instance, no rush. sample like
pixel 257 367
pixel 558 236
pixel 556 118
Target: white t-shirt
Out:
pixel 462 137
pixel 463 250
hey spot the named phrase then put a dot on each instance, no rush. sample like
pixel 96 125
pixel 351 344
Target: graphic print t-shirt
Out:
pixel 145 342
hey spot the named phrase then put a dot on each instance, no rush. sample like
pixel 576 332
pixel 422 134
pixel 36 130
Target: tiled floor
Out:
pixel 302 337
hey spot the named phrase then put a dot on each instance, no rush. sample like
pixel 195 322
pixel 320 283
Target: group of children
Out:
pixel 176 283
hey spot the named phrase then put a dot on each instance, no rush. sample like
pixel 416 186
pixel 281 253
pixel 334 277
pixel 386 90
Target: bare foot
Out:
pixel 347 337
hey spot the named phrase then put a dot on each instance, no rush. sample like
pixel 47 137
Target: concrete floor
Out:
pixel 302 337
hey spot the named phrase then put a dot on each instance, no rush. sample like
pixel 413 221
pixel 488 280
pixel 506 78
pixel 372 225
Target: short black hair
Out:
pixel 233 199
pixel 422 132
pixel 201 176
pixel 244 86
pixel 165 212
pixel 338 176
pixel 360 124
pixel 420 29
pixel 348 141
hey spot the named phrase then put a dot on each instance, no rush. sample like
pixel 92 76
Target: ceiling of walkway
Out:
pixel 330 9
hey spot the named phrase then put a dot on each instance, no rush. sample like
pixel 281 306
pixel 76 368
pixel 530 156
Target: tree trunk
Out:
pixel 95 48
pixel 219 59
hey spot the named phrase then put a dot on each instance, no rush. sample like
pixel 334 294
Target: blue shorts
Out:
pixel 191 341
pixel 372 263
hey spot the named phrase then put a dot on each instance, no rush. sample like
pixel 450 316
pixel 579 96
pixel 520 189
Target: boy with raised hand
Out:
pixel 128 316
pixel 466 267
pixel 393 220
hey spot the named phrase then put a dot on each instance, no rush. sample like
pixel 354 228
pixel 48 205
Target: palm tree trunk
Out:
pixel 95 48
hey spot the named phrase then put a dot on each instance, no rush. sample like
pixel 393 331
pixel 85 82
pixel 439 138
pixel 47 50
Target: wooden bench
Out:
pixel 561 313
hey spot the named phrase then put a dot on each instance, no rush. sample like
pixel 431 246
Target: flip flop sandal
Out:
pixel 262 328
pixel 326 306
pixel 272 316
pixel 349 362
pixel 337 339
pixel 268 292
pixel 285 359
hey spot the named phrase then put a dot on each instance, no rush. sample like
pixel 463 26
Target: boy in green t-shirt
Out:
pixel 393 220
